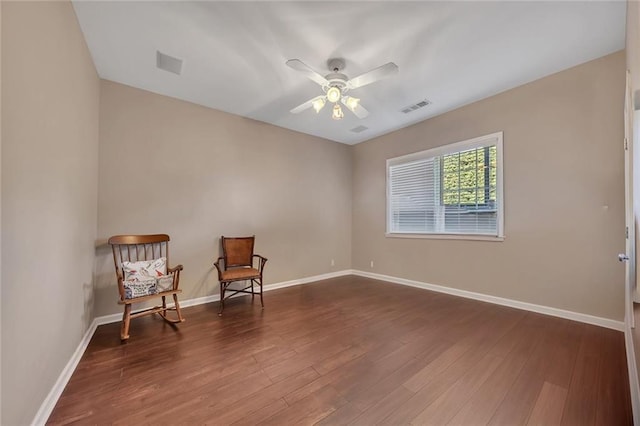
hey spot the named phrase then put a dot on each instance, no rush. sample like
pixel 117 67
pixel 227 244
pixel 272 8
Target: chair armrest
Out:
pixel 175 271
pixel 218 266
pixel 263 260
pixel 120 286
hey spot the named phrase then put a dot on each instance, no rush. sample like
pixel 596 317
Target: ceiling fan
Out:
pixel 335 85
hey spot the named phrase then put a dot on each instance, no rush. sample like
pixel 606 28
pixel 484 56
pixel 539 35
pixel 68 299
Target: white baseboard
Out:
pixel 52 398
pixel 634 386
pixel 575 316
pixel 108 319
pixel 308 280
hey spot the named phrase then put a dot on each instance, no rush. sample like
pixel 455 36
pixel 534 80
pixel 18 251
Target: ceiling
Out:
pixel 450 53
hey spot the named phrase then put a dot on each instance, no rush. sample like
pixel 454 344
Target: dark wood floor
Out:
pixel 356 351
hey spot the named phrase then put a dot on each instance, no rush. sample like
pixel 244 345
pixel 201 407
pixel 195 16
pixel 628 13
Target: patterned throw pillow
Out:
pixel 164 283
pixel 146 277
pixel 145 269
pixel 139 287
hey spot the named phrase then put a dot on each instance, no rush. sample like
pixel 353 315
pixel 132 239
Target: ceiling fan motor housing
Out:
pixel 336 78
pixel 340 83
pixel 335 64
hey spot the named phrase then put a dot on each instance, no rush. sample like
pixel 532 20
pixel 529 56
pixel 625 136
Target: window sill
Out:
pixel 447 236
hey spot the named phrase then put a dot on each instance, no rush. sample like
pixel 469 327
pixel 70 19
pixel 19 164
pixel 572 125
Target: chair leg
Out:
pixel 261 300
pixel 164 305
pixel 177 305
pixel 222 289
pixel 126 319
pixel 252 292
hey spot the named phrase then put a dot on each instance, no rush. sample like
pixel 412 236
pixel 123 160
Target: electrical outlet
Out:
pixel 333 262
pixel 372 264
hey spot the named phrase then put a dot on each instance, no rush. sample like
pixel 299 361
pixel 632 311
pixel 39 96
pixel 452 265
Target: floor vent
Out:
pixel 415 106
pixel 168 63
pixel 359 129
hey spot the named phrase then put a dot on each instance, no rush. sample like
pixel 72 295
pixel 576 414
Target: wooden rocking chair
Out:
pixel 236 264
pixel 141 263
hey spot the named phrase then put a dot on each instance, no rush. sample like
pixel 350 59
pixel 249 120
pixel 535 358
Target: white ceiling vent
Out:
pixel 168 63
pixel 415 106
pixel 359 129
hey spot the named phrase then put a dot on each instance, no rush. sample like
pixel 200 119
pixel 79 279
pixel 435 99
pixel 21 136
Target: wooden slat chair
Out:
pixel 138 248
pixel 237 264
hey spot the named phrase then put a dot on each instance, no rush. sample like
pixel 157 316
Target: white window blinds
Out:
pixel 455 189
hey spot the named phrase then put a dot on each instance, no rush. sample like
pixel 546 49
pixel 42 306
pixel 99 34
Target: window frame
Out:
pixel 440 151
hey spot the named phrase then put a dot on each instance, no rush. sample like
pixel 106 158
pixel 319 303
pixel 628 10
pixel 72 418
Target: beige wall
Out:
pixel 564 195
pixel 168 166
pixel 50 101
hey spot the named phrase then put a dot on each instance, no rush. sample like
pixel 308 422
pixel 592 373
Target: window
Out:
pixel 453 190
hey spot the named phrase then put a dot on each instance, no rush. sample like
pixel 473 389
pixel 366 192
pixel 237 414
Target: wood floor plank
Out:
pixel 228 413
pixel 338 377
pixel 406 360
pixel 611 397
pixel 444 360
pixel 372 395
pixel 582 396
pixel 482 404
pixel 350 350
pixel 341 358
pixel 383 408
pixel 256 416
pixel 272 355
pixel 549 405
pixel 449 403
pixel 308 410
pixel 522 395
pixel 224 395
pixel 568 337
pixel 344 415
pixel 522 338
pixel 438 384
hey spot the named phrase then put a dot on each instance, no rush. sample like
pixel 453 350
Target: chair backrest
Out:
pixel 237 251
pixel 133 248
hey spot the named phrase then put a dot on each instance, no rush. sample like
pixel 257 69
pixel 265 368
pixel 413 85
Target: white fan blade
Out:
pixel 359 110
pixel 305 105
pixel 374 75
pixel 298 65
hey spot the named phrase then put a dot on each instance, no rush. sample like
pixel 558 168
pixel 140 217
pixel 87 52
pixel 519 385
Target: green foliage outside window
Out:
pixel 469 177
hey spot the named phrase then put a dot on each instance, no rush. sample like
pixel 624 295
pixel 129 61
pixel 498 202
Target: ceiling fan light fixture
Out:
pixel 333 94
pixel 318 104
pixel 337 112
pixel 352 103
pixel 336 84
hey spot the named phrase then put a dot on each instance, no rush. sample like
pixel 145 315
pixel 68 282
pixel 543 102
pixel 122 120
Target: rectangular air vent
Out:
pixel 359 129
pixel 415 106
pixel 168 63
